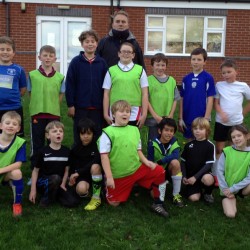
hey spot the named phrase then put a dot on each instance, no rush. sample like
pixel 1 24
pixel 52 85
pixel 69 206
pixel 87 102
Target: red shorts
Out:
pixel 144 177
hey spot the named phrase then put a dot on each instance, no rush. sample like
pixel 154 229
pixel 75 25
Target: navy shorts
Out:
pixel 221 132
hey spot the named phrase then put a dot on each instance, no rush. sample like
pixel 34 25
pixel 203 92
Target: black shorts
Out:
pixel 221 132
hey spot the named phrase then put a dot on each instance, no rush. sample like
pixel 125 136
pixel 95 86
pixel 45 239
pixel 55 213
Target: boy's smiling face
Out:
pixel 126 54
pixel 166 134
pixel 159 69
pixel 6 54
pixel 122 117
pixel 10 126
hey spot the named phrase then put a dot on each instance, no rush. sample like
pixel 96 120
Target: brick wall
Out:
pixel 23 30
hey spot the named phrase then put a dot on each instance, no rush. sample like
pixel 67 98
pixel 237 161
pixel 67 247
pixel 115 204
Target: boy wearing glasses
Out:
pixel 126 81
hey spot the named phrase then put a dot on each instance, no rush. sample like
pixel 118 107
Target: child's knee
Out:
pixel 246 190
pixel 16 174
pixel 230 214
pixel 82 188
pixel 207 180
pixel 194 197
pixel 96 169
pixel 175 166
pixel 114 203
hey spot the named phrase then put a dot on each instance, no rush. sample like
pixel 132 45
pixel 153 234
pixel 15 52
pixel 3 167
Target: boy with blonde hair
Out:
pixel 124 163
pixel 51 169
pixel 197 160
pixel 12 154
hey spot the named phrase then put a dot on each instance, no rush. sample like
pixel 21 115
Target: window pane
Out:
pixel 194 33
pixel 214 42
pixel 175 31
pixel 51 35
pixel 155 41
pixel 155 22
pixel 74 31
pixel 215 23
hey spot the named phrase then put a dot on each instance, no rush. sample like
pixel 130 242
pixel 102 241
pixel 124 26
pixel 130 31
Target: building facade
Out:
pixel 170 27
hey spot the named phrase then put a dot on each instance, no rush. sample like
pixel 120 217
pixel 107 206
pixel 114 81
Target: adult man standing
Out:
pixel 109 45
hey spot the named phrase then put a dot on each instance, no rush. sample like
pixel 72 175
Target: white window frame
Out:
pixel 64 61
pixel 206 31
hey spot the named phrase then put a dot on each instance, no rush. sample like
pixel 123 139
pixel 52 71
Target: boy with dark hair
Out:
pixel 197 160
pixel 12 154
pixel 85 164
pixel 84 93
pixel 196 93
pixel 51 167
pixel 126 81
pixel 12 81
pixel 124 163
pixel 165 151
pixel 161 87
pixel 46 87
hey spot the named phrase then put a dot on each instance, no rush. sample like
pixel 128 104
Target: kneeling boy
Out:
pixel 12 154
pixel 124 163
pixel 165 151
pixel 50 173
pixel 85 164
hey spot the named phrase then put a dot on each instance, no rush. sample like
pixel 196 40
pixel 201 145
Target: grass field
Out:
pixel 130 226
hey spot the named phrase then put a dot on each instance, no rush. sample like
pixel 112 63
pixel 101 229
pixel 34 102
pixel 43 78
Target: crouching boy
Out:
pixel 124 163
pixel 165 151
pixel 12 154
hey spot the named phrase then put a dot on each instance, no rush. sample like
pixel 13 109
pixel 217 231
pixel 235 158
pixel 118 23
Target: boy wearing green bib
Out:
pixel 126 81
pixel 12 154
pixel 124 163
pixel 163 94
pixel 165 151
pixel 46 87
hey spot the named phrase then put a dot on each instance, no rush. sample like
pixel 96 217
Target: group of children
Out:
pixel 125 99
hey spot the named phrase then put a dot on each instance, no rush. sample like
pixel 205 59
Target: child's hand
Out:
pixel 151 165
pixel 108 119
pixel 181 125
pixel 71 112
pixel 192 180
pixel 185 181
pixel 158 119
pixel 63 187
pixel 141 121
pixel 224 116
pixel 72 179
pixel 110 182
pixel 227 193
pixel 32 196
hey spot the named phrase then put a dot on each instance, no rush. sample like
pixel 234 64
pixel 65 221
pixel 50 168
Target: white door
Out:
pixel 61 33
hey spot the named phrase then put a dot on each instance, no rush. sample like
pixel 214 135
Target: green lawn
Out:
pixel 130 226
